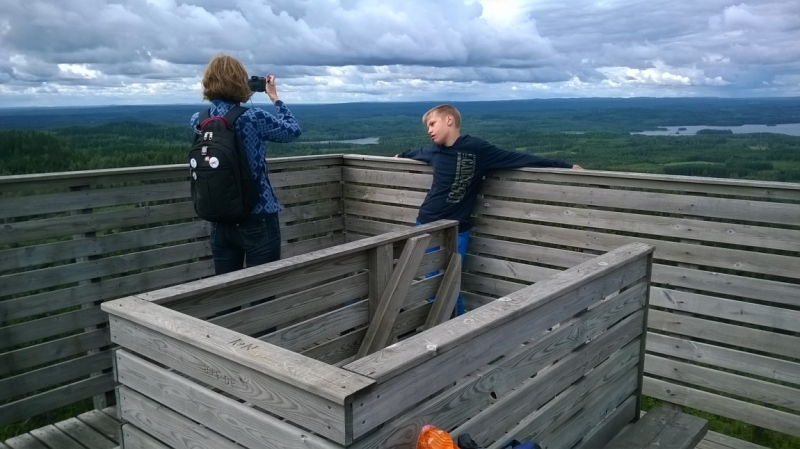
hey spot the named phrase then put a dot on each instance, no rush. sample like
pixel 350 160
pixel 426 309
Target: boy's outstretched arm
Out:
pixel 418 154
pixel 499 159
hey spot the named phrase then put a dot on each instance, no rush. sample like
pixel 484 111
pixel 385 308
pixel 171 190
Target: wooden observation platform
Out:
pixel 696 303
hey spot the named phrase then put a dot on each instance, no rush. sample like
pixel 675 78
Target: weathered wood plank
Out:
pixel 371 227
pixel 50 326
pixel 328 325
pixel 52 375
pixel 25 441
pixel 702 206
pixel 731 359
pixel 719 405
pixel 50 351
pixel 53 399
pixel 103 290
pixel 310 211
pixel 166 425
pixel 55 438
pixel 382 162
pixel 101 422
pixel 135 438
pixel 381 264
pixel 215 411
pixel 98 221
pixel 74 272
pixel 508 269
pixel 285 179
pixel 91 198
pixel 610 426
pixel 703 230
pixel 454 347
pixel 85 434
pixel 391 301
pixel 384 195
pixel 474 392
pixel 386 178
pixel 711 379
pixel 489 286
pixel 310 245
pixel 714 440
pixel 446 296
pixel 745 337
pixel 403 215
pixel 276 164
pixel 731 259
pixel 15 258
pixel 297 305
pixel 308 194
pixel 645 430
pixel 303 405
pixel 310 228
pixel 62 180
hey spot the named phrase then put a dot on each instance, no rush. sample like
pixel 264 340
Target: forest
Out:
pixel 595 133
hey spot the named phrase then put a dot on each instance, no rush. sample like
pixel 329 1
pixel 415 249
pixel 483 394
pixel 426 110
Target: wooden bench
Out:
pixel 662 428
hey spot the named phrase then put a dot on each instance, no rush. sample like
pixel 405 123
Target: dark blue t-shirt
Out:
pixel 457 174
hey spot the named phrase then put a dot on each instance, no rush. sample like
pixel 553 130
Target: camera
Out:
pixel 257 83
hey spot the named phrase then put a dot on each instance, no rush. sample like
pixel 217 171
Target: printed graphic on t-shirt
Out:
pixel 465 170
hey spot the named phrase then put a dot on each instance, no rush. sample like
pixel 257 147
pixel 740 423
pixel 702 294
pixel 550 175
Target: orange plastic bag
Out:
pixel 433 438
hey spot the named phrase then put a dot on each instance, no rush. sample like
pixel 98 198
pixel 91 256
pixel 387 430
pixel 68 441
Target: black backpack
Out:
pixel 223 187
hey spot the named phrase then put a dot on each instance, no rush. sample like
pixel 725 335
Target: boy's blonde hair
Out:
pixel 444 110
pixel 225 78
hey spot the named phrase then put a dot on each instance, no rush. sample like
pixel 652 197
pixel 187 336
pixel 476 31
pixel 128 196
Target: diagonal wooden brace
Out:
pixel 380 328
pixel 447 294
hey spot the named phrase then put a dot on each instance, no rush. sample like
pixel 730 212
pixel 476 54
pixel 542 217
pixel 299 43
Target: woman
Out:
pixel 257 239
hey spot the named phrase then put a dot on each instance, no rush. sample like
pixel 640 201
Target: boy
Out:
pixel 459 164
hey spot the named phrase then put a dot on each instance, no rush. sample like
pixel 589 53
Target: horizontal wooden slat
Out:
pixel 746 210
pixel 44 353
pixel 42 181
pixel 327 325
pixel 507 269
pixel 103 290
pixel 102 423
pixel 99 221
pixel 726 309
pixel 381 211
pixel 69 273
pixel 84 434
pixel 720 405
pixel 93 246
pixel 287 179
pixel 133 437
pixel 489 285
pixel 371 227
pixel 56 398
pixel 54 437
pixel 730 359
pixel 215 411
pixel 386 178
pixel 698 184
pixel 309 228
pixel 50 326
pixel 52 375
pixel 610 426
pixel 707 231
pixel 91 198
pixel 386 163
pixel 384 195
pixel 276 164
pixel 309 194
pixel 528 253
pixel 731 259
pixel 310 211
pixel 717 380
pixel 285 309
pixel 729 334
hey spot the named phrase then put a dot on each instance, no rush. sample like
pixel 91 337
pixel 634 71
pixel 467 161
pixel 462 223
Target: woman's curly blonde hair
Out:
pixel 226 79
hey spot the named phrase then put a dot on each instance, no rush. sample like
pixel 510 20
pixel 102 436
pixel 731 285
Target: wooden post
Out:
pixel 380 329
pixel 380 270
pixel 640 385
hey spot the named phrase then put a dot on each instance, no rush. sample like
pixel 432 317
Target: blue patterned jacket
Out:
pixel 257 126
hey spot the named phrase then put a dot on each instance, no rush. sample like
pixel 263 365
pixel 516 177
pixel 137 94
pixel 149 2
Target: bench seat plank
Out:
pixel 664 429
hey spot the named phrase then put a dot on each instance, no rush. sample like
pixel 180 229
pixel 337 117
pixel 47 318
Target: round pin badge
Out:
pixel 193 163
pixel 194 176
pixel 213 162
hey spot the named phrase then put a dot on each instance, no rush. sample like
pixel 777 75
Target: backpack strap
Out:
pixel 233 114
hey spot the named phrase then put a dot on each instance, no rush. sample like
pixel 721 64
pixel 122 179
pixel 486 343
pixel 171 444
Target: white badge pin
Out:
pixel 194 176
pixel 213 162
pixel 193 163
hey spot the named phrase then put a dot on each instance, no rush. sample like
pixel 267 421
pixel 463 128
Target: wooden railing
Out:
pixel 725 303
pixel 725 306
pixel 69 241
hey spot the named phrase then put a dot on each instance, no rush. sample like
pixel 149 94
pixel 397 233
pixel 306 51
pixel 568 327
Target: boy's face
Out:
pixel 440 127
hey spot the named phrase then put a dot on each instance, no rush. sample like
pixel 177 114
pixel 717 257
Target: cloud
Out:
pixel 78 51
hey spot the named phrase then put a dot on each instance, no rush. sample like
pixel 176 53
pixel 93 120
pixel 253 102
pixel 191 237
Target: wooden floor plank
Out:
pixel 25 441
pixel 112 411
pixel 714 440
pixel 101 422
pixel 85 434
pixel 54 438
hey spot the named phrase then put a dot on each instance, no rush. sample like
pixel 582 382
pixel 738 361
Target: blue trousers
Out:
pixel 256 241
pixel 461 246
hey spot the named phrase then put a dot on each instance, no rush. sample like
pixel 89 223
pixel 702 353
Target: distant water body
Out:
pixel 364 141
pixel 791 129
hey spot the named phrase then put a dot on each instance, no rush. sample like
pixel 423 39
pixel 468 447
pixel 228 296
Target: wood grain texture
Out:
pixel 133 438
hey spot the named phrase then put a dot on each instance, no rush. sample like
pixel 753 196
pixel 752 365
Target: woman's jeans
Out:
pixel 256 241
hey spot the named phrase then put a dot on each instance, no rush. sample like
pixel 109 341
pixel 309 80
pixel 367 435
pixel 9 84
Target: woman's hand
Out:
pixel 271 90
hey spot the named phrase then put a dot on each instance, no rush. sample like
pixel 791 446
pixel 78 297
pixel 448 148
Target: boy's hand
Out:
pixel 577 167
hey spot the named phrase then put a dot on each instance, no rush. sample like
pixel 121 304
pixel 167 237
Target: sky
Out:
pixel 115 52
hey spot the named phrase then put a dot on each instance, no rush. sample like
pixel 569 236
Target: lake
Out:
pixel 791 129
pixel 364 141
